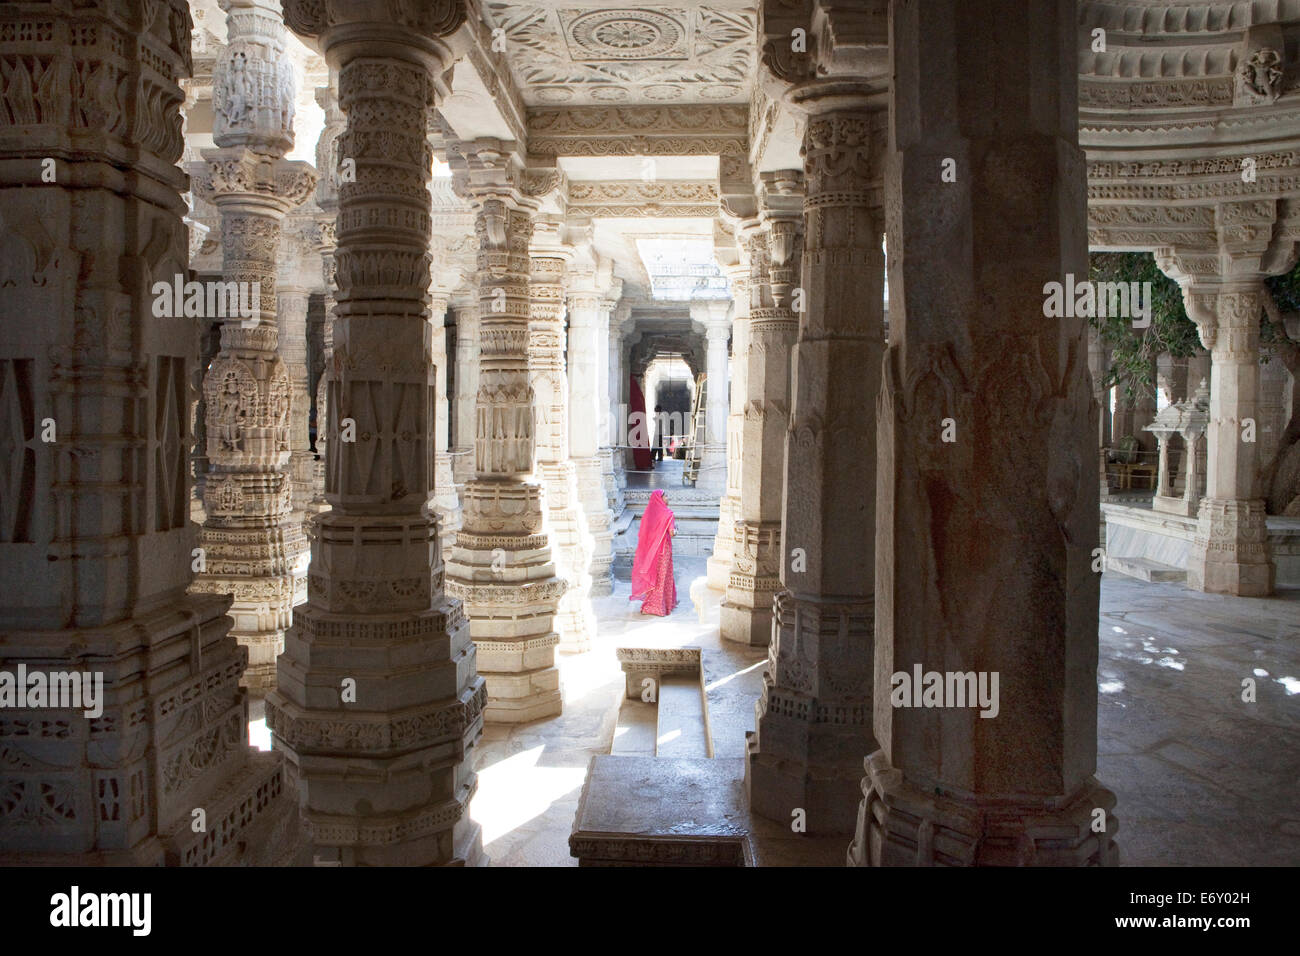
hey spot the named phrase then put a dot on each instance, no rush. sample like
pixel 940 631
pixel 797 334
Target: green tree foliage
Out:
pixel 1134 350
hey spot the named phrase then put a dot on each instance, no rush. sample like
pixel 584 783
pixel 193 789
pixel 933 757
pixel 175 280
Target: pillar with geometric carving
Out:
pixel 96 544
pixel 813 718
pixel 715 317
pixel 253 545
pixel 566 521
pixel 467 349
pixel 1223 291
pixel 719 563
pixel 620 314
pixel 379 704
pixel 327 198
pixel 445 501
pixel 773 251
pixel 585 420
pixel 986 498
pixel 501 566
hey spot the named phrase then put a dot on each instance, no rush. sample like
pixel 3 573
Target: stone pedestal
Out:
pixel 379 702
pixel 984 543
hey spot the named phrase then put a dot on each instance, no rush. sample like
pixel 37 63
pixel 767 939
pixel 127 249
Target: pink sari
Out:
pixel 652 568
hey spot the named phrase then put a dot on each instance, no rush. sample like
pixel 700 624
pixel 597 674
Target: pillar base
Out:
pixel 720 561
pixel 746 625
pixel 827 794
pixel 813 719
pixel 900 824
pixel 1230 551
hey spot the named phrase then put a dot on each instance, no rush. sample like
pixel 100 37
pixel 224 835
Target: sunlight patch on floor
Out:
pixel 515 790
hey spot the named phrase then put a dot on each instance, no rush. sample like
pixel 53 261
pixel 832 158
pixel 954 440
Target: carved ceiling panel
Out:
pixel 686 53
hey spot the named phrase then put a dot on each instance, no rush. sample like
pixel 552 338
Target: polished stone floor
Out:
pixel 1201 776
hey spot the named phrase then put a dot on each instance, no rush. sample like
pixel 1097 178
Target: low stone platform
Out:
pixel 1150 545
pixel 659 811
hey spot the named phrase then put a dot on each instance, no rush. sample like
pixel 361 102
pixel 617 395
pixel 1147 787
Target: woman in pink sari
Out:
pixel 652 568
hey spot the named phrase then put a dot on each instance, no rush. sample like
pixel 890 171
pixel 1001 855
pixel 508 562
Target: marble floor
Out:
pixel 1201 776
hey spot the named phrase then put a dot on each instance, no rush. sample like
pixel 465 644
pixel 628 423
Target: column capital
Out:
pixel 713 314
pixel 378 21
pixel 236 175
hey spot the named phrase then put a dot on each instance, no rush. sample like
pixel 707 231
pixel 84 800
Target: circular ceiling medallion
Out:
pixel 662 91
pixel 627 35
pixel 554 94
pixel 610 94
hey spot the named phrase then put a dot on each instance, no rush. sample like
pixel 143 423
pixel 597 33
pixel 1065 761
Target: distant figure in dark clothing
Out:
pixel 659 435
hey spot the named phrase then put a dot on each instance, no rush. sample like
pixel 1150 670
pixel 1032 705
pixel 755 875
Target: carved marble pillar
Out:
pixel 984 542
pixel 96 544
pixel 445 501
pixel 753 581
pixel 291 315
pixel 1223 291
pixel 379 703
pixel 566 522
pixel 1230 552
pixel 619 393
pixel 501 566
pixel 608 343
pixel 467 362
pixel 328 248
pixel 717 395
pixel 813 719
pixel 586 316
pixel 253 544
pixel 327 198
pixel 719 563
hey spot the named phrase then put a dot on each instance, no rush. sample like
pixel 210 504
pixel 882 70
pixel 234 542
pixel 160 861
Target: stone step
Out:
pixel 636 729
pixel 682 727
pixel 1146 569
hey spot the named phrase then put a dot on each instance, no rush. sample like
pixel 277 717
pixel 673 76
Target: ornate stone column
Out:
pixel 619 390
pixel 717 395
pixel 379 703
pixel 251 541
pixel 772 248
pixel 467 365
pixel 327 198
pixel 501 566
pixel 565 521
pixel 608 344
pixel 719 563
pixel 291 315
pixel 96 545
pixel 813 723
pixel 1223 290
pixel 445 501
pixel 984 542
pixel 586 317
